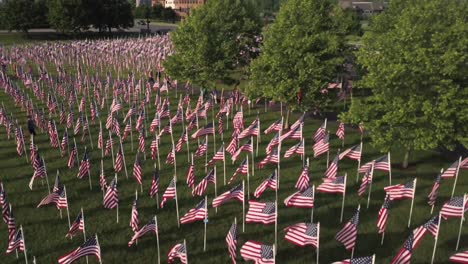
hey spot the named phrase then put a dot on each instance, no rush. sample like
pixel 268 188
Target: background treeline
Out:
pixel 156 12
pixel 66 16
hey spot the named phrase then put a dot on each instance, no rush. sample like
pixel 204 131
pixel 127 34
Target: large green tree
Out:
pixel 207 43
pixel 17 15
pixel 302 52
pixel 416 60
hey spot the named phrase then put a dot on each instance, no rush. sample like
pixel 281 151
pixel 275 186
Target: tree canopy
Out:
pixel 21 15
pixel 209 43
pixel 416 60
pixel 301 53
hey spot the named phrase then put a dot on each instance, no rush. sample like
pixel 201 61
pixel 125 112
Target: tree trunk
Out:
pixel 286 122
pixel 407 156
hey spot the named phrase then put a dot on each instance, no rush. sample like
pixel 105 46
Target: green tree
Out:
pixel 301 53
pixel 416 58
pixel 69 15
pixel 206 43
pixel 18 15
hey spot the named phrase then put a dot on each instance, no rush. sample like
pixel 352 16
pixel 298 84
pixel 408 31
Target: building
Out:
pixel 181 6
pixel 142 2
pixel 364 8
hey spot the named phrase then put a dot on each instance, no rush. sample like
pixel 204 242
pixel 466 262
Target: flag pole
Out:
pixel 462 218
pixel 100 131
pixel 157 149
pixel 131 131
pixel 370 186
pixel 186 252
pixel 359 164
pixel 47 176
pixel 373 259
pixel 276 219
pixel 243 209
pixel 412 201
pixel 205 222
pixel 188 149
pixel 112 148
pixel 68 212
pixel 176 201
pixel 216 185
pixel 389 169
pixel 24 244
pixel 432 207
pixel 123 157
pixel 435 240
pixel 253 163
pixel 157 238
pixel 344 195
pixel 313 198
pixel 456 176
pixel 89 133
pixel 224 164
pixel 116 181
pixel 318 241
pixel 97 240
pixel 214 138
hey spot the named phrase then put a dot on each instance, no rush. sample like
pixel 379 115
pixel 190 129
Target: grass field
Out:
pixel 45 230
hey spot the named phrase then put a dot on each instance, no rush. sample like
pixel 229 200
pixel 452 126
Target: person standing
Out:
pixel 31 126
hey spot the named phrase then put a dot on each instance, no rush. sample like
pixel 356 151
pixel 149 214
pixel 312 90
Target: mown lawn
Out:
pixel 45 230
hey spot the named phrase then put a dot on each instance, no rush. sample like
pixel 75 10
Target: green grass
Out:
pixel 45 230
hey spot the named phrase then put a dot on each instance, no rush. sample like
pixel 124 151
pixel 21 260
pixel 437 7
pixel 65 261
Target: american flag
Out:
pixel 199 212
pixel 238 120
pixel 57 183
pixel 380 163
pixel 72 157
pixel 154 123
pixel 296 149
pixel 178 251
pixel 134 216
pixel 353 153
pixel 77 226
pixel 154 148
pixel 201 149
pixel 401 191
pixel 236 193
pixel 206 130
pixel 111 198
pixel 11 224
pixel 361 128
pixel 270 182
pixel 273 142
pixel 301 199
pixel 183 139
pixel 259 253
pixel 64 143
pixel 273 157
pixel 39 170
pixel 220 125
pixel 464 164
pixel 333 185
pixel 170 156
pixel 102 178
pixel 191 176
pixel 169 193
pixel 154 184
pixel 247 147
pixel 259 212
pixel 360 260
pixel 78 123
pixel 332 170
pixel 137 170
pixel 252 130
pixel 201 187
pixel 432 225
pixel 383 215
pixel 85 166
pixel 366 181
pixel 232 146
pixel 231 241
pixel 90 247
pixel 165 112
pixel 322 146
pixel 303 180
pixel 432 197
pixel 109 144
pixel 218 156
pixel 3 203
pixel 17 243
pixel 58 198
pixel 404 255
pixel 348 234
pixel 166 130
pixel 151 226
pixel 193 123
pixel 141 141
pixel 298 122
pixel 140 121
pixel 451 171
pixel 119 160
pixel 303 234
pixel 131 112
pixel 340 133
pixel 276 126
pixel 455 207
pixel 321 132
pixel 242 169
pixel 295 133
pixel 461 257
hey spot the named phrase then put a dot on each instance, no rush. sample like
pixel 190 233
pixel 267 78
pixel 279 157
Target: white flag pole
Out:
pixel 344 195
pixel 313 198
pixel 205 222
pixel 176 201
pixel 224 164
pixel 123 157
pixel 248 178
pixel 370 186
pixel 318 241
pixel 243 208
pixel 456 176
pixel 462 218
pixel 186 252
pixel 157 238
pixel 435 240
pixel 68 212
pixel 412 201
pixel 24 244
pixel 389 169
